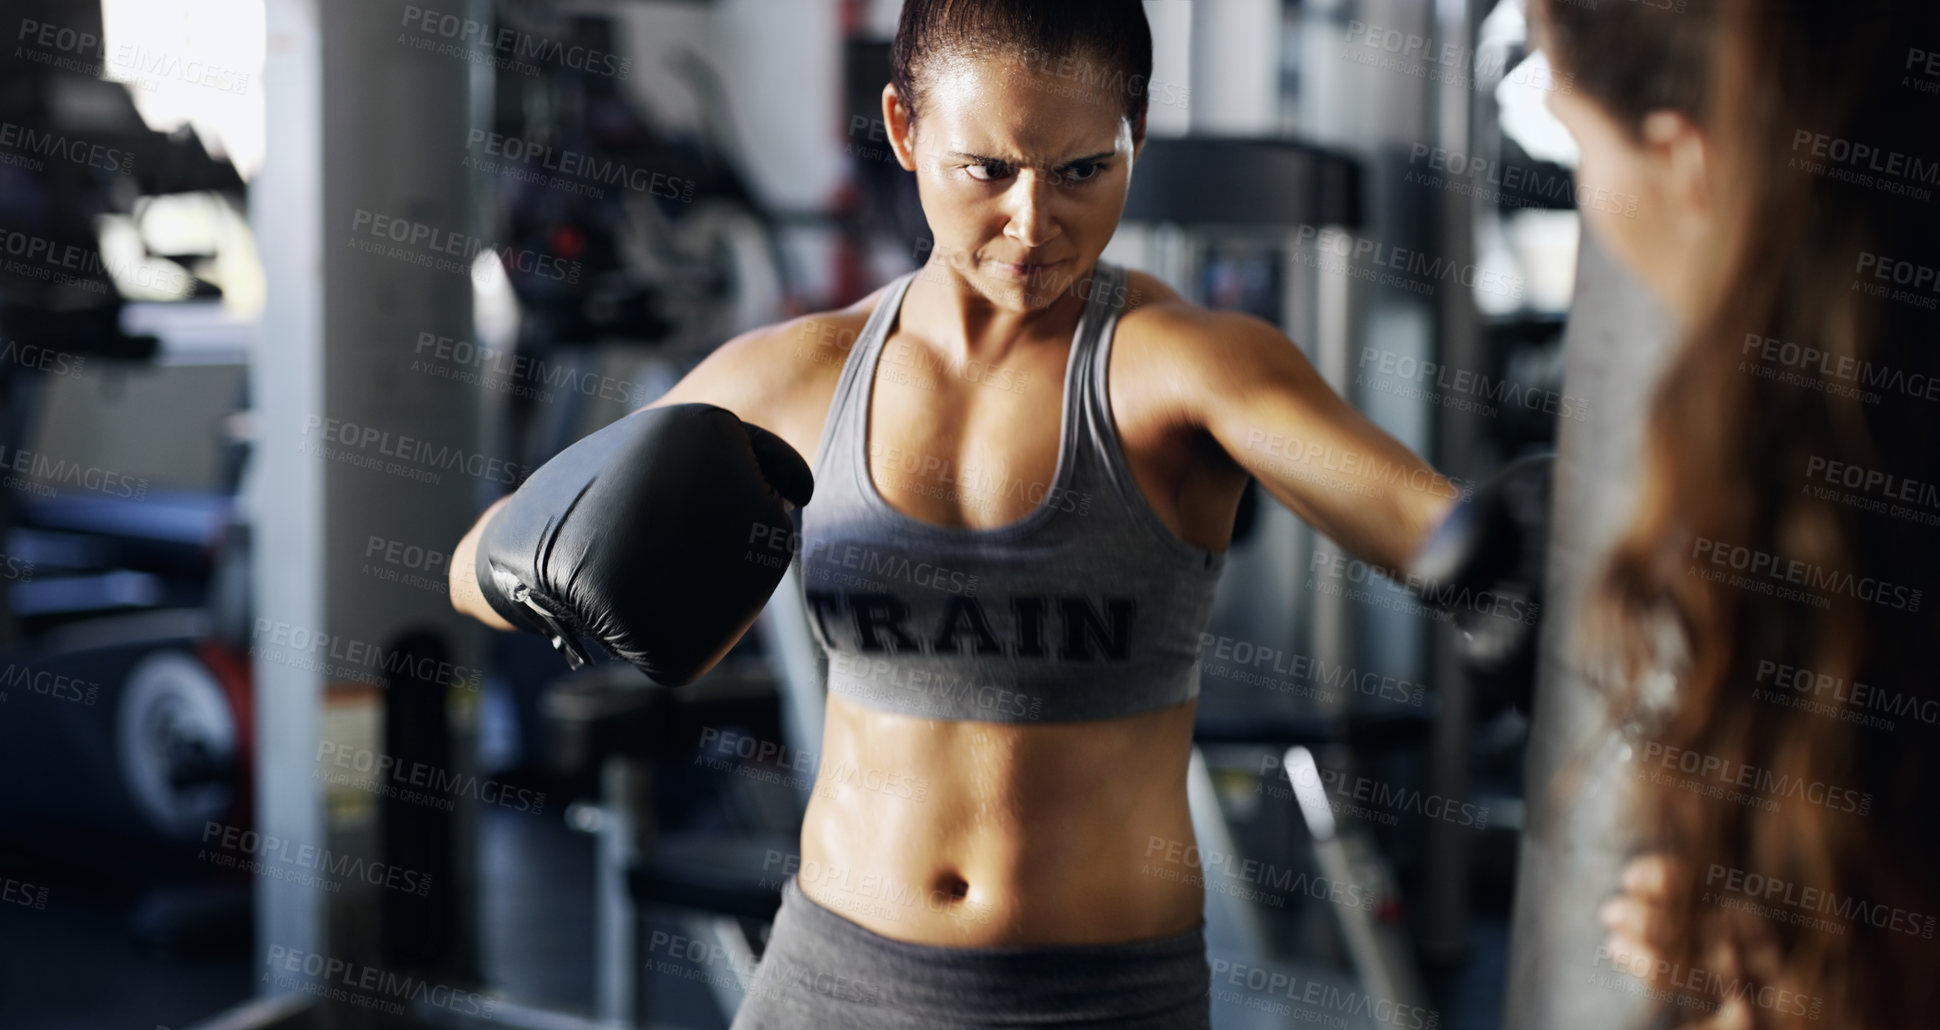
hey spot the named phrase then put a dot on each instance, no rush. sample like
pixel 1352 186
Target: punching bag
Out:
pixel 1578 833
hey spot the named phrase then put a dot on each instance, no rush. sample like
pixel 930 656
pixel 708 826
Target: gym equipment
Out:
pixel 122 597
pixel 676 267
pixel 1259 183
pixel 669 273
pixel 1380 951
pixel 1211 200
pixel 1226 218
pixel 668 278
pixel 720 880
pixel 136 729
pixel 130 708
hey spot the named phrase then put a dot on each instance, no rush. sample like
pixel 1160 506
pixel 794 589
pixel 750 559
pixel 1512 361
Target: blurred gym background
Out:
pixel 291 289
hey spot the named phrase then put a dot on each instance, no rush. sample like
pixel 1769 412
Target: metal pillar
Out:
pixel 1444 927
pixel 1370 102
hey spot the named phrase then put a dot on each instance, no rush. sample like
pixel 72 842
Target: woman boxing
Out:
pixel 1775 591
pixel 1026 468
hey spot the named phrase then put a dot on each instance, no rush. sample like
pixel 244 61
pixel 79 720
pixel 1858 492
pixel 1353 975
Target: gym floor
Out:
pixel 82 963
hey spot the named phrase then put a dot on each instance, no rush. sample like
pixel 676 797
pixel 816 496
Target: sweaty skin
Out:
pixel 978 834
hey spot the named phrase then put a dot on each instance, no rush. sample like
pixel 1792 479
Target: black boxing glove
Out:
pixel 637 537
pixel 1493 543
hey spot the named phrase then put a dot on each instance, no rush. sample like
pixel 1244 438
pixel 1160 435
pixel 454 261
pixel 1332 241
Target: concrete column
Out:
pixel 368 463
pixel 287 507
pixel 1236 67
pixel 1172 60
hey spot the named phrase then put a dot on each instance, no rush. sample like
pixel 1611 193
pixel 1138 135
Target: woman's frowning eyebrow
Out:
pixel 1022 163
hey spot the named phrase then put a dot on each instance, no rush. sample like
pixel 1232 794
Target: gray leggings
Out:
pixel 821 971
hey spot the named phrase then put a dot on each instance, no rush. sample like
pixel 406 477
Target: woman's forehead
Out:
pixel 1001 106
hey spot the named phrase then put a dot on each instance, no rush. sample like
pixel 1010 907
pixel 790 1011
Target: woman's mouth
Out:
pixel 1025 270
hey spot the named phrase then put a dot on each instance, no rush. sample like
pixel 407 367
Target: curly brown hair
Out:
pixel 1786 515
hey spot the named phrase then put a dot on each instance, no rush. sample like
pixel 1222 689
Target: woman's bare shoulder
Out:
pixel 1163 328
pixel 780 377
pixel 1151 304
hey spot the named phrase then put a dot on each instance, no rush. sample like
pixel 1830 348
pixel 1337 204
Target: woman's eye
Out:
pixel 1079 172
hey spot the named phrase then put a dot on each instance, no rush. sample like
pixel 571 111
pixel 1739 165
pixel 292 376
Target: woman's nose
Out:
pixel 1029 203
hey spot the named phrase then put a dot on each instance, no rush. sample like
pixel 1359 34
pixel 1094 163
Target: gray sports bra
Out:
pixel 1088 607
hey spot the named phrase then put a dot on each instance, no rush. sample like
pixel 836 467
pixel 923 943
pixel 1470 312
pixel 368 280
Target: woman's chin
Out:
pixel 1035 289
